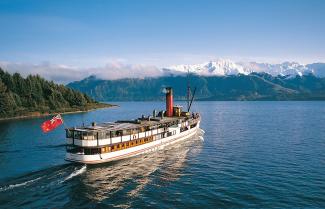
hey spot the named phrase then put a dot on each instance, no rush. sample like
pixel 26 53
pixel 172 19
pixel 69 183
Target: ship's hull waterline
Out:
pixel 133 151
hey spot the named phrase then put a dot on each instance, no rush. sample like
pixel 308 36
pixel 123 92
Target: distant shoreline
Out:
pixel 40 115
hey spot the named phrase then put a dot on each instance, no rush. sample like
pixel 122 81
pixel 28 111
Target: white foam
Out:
pixel 75 173
pixel 18 185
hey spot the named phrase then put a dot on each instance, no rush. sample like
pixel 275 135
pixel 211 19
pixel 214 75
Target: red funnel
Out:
pixel 169 102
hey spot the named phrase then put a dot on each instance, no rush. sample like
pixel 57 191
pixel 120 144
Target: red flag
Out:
pixel 49 125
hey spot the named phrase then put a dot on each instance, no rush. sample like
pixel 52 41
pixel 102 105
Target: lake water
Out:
pixel 253 155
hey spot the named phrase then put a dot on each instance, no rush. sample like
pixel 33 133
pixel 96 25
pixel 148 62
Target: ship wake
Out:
pixel 12 186
pixel 75 173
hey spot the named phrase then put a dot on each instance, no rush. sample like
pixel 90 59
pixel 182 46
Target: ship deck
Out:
pixel 130 124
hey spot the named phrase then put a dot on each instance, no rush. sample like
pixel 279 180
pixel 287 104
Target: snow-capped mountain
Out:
pixel 220 68
pixel 227 67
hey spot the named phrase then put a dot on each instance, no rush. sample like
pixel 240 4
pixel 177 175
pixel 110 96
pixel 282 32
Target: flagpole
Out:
pixel 63 121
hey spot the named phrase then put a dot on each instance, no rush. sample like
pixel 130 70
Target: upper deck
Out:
pixel 131 124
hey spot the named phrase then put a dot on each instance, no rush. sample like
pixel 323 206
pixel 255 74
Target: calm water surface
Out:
pixel 253 155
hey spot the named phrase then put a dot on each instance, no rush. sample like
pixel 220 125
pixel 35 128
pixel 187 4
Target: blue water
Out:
pixel 253 155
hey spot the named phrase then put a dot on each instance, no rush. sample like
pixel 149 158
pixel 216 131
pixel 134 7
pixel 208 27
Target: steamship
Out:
pixel 112 141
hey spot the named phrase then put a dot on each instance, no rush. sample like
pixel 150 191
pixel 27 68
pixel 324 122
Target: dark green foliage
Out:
pixel 24 96
pixel 256 86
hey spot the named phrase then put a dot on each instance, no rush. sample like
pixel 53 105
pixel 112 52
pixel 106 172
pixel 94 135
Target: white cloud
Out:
pixel 120 70
pixel 65 74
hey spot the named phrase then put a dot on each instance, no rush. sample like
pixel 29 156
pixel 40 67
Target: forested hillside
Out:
pixel 255 86
pixel 34 96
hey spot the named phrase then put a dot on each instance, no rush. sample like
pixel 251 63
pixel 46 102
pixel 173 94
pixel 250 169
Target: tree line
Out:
pixel 35 95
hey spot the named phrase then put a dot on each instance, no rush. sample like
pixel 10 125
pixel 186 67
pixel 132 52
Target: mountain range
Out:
pixel 223 67
pixel 232 86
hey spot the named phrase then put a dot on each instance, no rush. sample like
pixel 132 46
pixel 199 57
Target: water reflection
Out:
pixel 131 176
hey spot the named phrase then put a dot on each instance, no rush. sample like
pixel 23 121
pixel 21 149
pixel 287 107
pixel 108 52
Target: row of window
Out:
pixel 99 135
pixel 125 145
pixel 75 134
pixel 106 149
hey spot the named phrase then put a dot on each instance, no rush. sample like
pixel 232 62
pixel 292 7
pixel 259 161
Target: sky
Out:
pixel 136 34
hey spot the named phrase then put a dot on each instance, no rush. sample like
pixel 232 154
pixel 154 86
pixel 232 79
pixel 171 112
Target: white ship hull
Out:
pixel 133 151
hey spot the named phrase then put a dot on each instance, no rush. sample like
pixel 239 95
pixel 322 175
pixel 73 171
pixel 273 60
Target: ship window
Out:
pixel 88 136
pixel 112 134
pixel 85 136
pixel 107 134
pixel 118 133
pixel 125 132
pixel 87 151
pixel 101 135
pixel 69 133
pixel 103 149
pixel 74 149
pixel 77 134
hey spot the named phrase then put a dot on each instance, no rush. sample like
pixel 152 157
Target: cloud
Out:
pixel 65 74
pixel 119 70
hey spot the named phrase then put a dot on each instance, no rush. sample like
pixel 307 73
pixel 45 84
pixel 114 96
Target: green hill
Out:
pixel 33 96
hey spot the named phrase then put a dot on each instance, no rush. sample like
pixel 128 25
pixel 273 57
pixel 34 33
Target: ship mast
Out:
pixel 188 90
